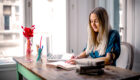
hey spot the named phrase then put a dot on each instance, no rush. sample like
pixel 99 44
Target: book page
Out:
pixel 67 56
pixel 62 64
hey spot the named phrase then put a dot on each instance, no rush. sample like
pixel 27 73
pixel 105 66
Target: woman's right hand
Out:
pixel 72 60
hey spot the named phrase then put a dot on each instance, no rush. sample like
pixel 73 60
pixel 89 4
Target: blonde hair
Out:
pixel 99 40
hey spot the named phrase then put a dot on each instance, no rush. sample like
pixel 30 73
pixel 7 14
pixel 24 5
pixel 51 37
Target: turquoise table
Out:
pixel 34 71
pixel 22 71
pixel 26 69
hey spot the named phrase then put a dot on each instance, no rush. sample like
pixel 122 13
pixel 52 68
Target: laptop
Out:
pixel 55 57
pixel 59 57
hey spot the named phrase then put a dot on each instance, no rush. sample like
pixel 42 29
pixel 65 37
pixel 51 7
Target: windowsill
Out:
pixel 7 64
pixel 8 67
pixel 6 61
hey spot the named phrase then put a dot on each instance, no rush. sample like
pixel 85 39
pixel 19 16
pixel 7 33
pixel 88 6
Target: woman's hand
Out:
pixel 72 60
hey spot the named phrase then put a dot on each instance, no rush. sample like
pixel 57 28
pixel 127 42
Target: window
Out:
pixel 122 25
pixel 49 17
pixel 11 18
pixel 6 10
pixel 6 22
pixel 17 9
pixel 6 13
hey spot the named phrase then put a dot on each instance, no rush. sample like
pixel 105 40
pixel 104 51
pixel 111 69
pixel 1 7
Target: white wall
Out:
pixel 78 12
pixel 133 27
pixel 137 37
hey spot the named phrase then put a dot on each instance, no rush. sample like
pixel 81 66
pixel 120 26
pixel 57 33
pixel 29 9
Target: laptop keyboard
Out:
pixel 54 56
pixel 58 57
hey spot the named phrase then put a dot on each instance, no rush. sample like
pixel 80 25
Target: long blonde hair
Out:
pixel 99 40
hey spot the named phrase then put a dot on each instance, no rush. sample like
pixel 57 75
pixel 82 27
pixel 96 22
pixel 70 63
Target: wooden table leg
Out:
pixel 19 76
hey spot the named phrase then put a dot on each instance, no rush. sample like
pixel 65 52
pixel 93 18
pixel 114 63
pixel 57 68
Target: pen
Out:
pixel 40 41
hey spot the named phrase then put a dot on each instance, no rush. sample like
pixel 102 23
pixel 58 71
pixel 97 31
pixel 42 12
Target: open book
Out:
pixel 62 64
pixel 85 62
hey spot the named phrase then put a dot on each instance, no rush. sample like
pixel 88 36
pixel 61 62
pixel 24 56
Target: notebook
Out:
pixel 59 57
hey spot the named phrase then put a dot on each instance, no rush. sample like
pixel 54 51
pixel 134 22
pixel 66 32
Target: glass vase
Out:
pixel 28 49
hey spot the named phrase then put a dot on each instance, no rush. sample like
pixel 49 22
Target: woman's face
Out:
pixel 94 22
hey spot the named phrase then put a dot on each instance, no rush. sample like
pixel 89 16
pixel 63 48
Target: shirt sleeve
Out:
pixel 114 43
pixel 84 49
pixel 87 54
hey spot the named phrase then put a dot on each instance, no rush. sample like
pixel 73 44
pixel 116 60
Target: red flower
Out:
pixel 28 31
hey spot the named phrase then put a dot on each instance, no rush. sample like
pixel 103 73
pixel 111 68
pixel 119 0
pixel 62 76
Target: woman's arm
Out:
pixel 108 58
pixel 82 55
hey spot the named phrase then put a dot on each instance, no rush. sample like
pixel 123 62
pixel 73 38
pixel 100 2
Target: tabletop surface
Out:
pixel 51 73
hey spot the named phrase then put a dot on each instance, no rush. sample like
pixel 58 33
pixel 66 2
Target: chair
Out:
pixel 126 57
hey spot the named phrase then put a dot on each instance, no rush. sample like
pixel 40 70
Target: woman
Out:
pixel 103 43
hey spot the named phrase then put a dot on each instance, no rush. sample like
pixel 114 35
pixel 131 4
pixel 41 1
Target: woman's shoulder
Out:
pixel 113 33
